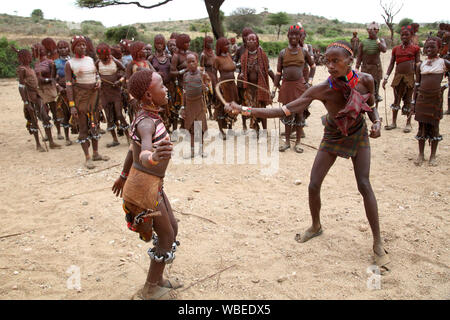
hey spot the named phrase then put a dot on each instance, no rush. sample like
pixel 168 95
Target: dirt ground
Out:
pixel 236 226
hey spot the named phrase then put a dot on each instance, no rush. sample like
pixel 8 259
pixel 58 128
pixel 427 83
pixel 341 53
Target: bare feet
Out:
pixel 54 146
pixel 171 283
pixel 154 292
pixel 113 144
pixel 308 234
pixel 432 162
pixel 60 137
pixel 98 157
pixel 68 143
pixel 407 129
pixel 419 161
pixel 89 164
pixel 390 127
pixel 40 149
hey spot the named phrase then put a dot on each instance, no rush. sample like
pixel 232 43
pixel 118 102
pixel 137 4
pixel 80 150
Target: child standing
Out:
pixel 194 106
pixel 427 101
pixel 405 56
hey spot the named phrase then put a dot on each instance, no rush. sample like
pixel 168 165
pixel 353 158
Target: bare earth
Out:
pixel 236 226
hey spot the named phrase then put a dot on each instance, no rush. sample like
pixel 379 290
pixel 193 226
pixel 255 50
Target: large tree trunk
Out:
pixel 213 8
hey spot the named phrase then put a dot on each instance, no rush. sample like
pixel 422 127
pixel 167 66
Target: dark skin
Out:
pixel 178 67
pixel 226 75
pixel 117 79
pixel 252 46
pixel 63 52
pixel 80 51
pixel 163 57
pixel 406 67
pixel 208 64
pixel 41 55
pixel 192 67
pixel 165 225
pixel 294 73
pixel 371 59
pixel 428 82
pixel 27 107
pixel 338 62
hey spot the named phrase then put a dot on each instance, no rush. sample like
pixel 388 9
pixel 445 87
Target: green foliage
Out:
pixel 92 28
pixel 278 19
pixel 196 45
pixel 117 33
pixel 8 59
pixel 192 27
pixel 37 15
pixel 272 49
pixel 241 18
pixel 404 22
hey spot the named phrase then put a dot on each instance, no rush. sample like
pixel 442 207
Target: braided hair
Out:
pixel 181 40
pixel 435 39
pixel 135 48
pixel 220 45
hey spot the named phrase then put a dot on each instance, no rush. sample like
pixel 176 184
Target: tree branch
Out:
pixel 101 4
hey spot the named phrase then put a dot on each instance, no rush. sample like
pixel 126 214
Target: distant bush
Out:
pixel 272 49
pixel 37 15
pixel 197 45
pixel 118 33
pixel 8 59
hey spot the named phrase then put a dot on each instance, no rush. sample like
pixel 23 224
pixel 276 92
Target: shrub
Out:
pixel 118 33
pixel 8 59
pixel 272 49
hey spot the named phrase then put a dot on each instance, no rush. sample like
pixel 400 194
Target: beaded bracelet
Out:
pixel 124 175
pixel 246 111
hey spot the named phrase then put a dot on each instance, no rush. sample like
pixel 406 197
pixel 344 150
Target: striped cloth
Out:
pixel 160 131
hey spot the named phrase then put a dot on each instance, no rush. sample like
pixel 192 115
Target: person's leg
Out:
pixel 163 228
pixel 361 165
pixel 30 116
pixel 52 105
pixel 422 139
pixel 287 132
pixel 407 106
pixel 300 121
pixel 432 162
pixel 111 126
pixel 322 164
pixel 48 126
pixel 123 122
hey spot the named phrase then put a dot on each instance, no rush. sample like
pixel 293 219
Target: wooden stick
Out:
pixel 193 215
pixel 209 277
pixel 13 235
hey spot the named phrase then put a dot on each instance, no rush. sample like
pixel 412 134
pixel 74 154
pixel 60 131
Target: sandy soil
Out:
pixel 236 226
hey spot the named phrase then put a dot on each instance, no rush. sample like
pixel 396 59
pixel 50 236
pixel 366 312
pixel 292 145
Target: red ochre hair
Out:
pixel 139 83
pixel 135 47
pixel 182 39
pixel 103 48
pixel 220 45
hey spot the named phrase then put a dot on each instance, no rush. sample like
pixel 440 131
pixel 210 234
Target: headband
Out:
pixel 337 44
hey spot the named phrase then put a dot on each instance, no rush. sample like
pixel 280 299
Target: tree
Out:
pixel 216 17
pixel 241 18
pixel 37 15
pixel 278 19
pixel 118 33
pixel 106 3
pixel 212 6
pixel 389 13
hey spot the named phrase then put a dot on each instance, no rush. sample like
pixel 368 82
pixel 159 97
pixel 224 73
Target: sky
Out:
pixel 351 11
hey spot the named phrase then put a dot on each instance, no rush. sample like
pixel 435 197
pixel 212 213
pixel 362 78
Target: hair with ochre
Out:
pixel 139 83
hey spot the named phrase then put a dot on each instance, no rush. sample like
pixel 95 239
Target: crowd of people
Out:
pixel 146 91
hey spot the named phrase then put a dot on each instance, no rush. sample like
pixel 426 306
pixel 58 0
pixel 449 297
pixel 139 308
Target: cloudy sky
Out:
pixel 350 11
